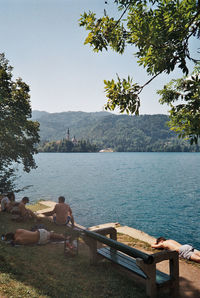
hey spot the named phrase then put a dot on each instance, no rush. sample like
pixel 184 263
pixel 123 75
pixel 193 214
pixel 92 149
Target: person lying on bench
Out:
pixel 40 236
pixel 62 212
pixel 185 251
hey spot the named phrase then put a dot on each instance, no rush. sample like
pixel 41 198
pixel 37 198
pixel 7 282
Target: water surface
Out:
pixel 158 193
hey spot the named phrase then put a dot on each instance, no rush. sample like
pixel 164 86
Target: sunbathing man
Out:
pixel 7 201
pixel 62 212
pixel 23 211
pixel 41 236
pixel 185 251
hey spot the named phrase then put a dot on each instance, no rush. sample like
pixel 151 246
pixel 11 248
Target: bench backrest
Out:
pixel 133 252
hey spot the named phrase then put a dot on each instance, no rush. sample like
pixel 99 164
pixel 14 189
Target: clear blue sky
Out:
pixel 44 43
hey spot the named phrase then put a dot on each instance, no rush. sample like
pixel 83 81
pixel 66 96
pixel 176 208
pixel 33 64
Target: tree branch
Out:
pixel 149 81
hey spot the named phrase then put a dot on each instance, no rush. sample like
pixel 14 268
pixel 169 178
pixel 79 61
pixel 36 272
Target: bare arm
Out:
pixel 22 209
pixel 72 218
pixel 70 212
pixel 159 245
pixel 49 213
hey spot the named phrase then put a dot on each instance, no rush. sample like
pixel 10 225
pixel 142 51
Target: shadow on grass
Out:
pixel 44 271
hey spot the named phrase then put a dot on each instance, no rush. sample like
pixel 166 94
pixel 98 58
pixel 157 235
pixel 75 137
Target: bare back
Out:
pixel 26 237
pixel 62 210
pixel 22 209
pixel 168 244
pixel 171 245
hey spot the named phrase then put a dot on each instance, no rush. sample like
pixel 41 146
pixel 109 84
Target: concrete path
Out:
pixel 48 204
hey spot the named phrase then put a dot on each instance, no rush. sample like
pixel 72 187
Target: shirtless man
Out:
pixel 24 212
pixel 185 251
pixel 41 236
pixel 62 212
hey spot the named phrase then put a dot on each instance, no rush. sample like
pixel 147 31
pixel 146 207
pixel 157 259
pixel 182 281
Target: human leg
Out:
pixel 54 236
pixel 72 220
pixel 195 257
pixel 197 252
pixel 31 214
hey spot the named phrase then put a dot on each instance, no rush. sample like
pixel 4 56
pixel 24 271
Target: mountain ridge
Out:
pixel 107 130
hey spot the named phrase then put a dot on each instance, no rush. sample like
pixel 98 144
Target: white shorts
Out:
pixel 186 251
pixel 44 236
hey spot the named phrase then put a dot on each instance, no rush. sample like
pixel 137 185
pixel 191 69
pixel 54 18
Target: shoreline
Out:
pixel 132 232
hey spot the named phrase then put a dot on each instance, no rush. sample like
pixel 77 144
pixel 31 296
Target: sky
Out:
pixel 45 44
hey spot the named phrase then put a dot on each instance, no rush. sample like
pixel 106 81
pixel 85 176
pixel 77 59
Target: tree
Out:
pixel 161 31
pixel 18 134
pixel 185 116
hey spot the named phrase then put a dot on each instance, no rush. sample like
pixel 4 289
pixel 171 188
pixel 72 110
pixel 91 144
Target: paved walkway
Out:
pixel 189 273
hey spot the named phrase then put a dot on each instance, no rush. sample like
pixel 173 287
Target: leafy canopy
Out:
pixel 160 30
pixel 185 116
pixel 18 134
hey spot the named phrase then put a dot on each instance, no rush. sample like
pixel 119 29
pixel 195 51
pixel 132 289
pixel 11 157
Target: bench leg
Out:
pixel 150 271
pixel 93 250
pixel 174 274
pixel 151 288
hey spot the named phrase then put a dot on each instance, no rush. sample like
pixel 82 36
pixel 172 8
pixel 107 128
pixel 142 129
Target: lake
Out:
pixel 158 193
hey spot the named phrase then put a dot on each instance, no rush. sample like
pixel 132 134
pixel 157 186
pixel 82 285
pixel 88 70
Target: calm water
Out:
pixel 158 193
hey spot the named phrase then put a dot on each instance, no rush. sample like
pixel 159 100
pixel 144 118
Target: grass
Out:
pixel 37 206
pixel 44 271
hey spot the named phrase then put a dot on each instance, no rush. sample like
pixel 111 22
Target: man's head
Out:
pixel 160 239
pixel 61 199
pixel 25 200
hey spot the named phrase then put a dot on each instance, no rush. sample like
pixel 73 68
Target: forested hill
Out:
pixel 120 132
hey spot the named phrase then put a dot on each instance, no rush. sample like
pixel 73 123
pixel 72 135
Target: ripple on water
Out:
pixel 158 193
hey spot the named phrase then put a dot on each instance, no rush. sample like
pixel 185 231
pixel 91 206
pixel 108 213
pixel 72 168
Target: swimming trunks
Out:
pixel 44 236
pixel 186 251
pixel 67 220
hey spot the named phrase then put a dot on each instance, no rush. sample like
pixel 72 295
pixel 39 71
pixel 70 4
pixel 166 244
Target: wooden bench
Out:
pixel 141 265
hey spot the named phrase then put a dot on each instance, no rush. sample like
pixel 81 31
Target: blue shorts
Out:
pixel 67 221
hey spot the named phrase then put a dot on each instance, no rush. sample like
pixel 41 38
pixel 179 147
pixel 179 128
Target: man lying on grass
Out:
pixel 40 236
pixel 185 251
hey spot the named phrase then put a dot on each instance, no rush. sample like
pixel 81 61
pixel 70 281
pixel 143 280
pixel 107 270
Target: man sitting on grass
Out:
pixel 185 251
pixel 7 202
pixel 40 236
pixel 23 211
pixel 62 212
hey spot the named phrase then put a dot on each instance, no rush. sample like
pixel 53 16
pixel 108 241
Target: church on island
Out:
pixel 73 140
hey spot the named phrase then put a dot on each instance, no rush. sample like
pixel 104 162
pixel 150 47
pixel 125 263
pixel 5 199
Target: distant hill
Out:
pixel 106 130
pixel 54 126
pixel 38 114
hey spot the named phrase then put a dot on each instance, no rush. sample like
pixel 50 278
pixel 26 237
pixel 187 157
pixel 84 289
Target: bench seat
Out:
pixel 139 263
pixel 130 264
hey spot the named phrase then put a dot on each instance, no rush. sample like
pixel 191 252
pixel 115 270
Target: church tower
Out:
pixel 67 135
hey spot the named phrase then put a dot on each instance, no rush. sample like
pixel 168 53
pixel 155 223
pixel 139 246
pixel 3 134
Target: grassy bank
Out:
pixel 44 271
